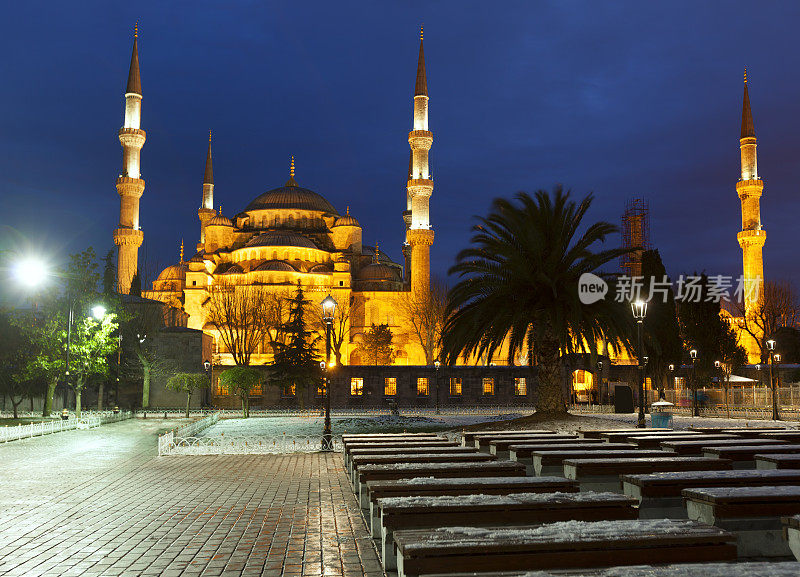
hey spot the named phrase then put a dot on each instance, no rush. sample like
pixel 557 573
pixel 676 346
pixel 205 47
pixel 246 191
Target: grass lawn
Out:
pixel 9 422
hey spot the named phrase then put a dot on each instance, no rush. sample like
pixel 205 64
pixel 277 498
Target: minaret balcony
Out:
pixel 127 186
pixel 419 236
pixel 133 137
pixel 420 187
pixel 420 139
pixel 128 237
pixel 749 238
pixel 750 188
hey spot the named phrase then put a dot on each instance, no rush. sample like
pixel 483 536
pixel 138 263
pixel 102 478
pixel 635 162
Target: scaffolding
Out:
pixel 635 235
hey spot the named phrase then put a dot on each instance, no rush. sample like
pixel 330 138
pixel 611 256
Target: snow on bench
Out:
pixel 468 437
pixel 423 512
pixel 598 433
pixel 483 442
pixel 563 545
pixel 624 435
pixel 466 455
pixel 498 446
pixel 429 486
pixel 791 436
pixel 394 445
pixel 685 447
pixel 792 530
pixel 743 457
pixel 353 436
pixel 452 448
pixel 754 513
pixel 439 470
pixel 604 474
pixel 654 441
pixel 751 431
pixel 551 462
pixel 524 452
pixel 778 461
pixel 659 494
pixel 745 569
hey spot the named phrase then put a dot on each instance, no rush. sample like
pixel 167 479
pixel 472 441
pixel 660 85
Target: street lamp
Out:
pixel 695 409
pixel 639 309
pixel 328 310
pixel 773 357
pixel 98 312
pixel 437 364
pixel 207 367
pixel 600 374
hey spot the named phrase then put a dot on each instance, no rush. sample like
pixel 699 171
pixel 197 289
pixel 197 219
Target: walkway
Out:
pixel 99 502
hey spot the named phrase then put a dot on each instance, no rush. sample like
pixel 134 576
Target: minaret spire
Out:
pixel 421 88
pixel 208 177
pixel 291 181
pixel 752 236
pixel 206 211
pixel 130 186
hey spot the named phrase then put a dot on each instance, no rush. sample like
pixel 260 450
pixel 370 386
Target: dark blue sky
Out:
pixel 623 99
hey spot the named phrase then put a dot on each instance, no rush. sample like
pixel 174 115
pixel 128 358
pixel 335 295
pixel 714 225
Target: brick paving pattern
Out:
pixel 101 502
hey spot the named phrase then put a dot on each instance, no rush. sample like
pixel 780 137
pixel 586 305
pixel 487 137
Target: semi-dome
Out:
pixel 275 265
pixel 220 220
pixel 319 268
pixel 233 269
pixel 378 272
pixel 346 220
pixel 294 197
pixel 281 238
pixel 174 272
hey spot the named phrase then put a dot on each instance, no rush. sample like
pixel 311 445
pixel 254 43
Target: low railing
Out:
pixel 267 445
pixel 168 441
pixel 489 410
pixel 59 425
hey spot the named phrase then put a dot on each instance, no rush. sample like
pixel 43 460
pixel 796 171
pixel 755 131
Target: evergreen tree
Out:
pixel 662 338
pixel 136 285
pixel 109 274
pixel 296 361
pixel 377 346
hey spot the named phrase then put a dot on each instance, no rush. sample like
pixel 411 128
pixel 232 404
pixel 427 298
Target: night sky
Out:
pixel 621 99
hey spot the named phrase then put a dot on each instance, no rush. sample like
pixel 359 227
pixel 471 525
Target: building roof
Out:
pixel 275 265
pixel 134 79
pixel 748 130
pixel 291 196
pixel 378 272
pixel 281 238
pixel 346 220
pixel 220 220
pixel 174 272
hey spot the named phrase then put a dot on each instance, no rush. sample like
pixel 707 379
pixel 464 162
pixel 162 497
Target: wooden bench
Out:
pixel 744 457
pixel 696 447
pixel 659 494
pixel 564 545
pixel 500 447
pixel 406 450
pixel 524 452
pixel 483 442
pixel 438 470
pixel 429 486
pixel 398 513
pixel 419 443
pixel 468 437
pixel 358 461
pixel 654 441
pixel 792 436
pixel 778 461
pixel 753 513
pixel 604 474
pixel 551 462
pixel 598 433
pixel 791 527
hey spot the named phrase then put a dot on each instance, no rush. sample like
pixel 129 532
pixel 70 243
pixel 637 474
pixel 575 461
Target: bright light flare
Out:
pixel 31 272
pixel 98 312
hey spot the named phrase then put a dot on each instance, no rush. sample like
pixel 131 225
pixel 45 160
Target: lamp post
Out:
pixel 328 310
pixel 207 367
pixel 600 374
pixel 671 369
pixel 771 347
pixel 639 309
pixel 695 409
pixel 437 364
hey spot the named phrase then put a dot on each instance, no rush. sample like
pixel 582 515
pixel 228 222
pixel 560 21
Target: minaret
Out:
pixel 130 186
pixel 753 236
pixel 407 222
pixel 206 211
pixel 420 185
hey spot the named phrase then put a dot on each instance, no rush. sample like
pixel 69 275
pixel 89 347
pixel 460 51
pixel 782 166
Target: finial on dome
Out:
pixel 181 251
pixel 421 28
pixel 209 135
pixel 745 74
pixel 291 181
pixel 136 30
pixel 220 210
pixel 377 250
pixel 347 212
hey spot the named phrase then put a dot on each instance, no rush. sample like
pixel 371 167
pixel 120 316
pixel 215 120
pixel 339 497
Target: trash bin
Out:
pixel 661 415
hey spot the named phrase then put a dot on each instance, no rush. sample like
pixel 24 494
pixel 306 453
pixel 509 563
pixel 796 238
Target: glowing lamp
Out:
pixel 693 354
pixel 30 271
pixel 328 308
pixel 639 309
pixel 771 344
pixel 98 311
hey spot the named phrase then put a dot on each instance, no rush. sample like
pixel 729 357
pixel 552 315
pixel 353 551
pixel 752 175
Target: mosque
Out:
pixel 287 236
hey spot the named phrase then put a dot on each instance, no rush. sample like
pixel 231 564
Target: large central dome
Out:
pixel 291 197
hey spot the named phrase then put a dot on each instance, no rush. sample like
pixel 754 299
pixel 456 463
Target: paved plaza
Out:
pixel 100 502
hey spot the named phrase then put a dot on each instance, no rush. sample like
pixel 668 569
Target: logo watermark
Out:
pixel 687 288
pixel 591 288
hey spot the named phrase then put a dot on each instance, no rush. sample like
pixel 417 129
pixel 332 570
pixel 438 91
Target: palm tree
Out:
pixel 519 286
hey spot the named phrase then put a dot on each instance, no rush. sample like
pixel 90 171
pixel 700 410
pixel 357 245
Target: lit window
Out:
pixel 422 386
pixel 580 377
pixel 520 386
pixel 680 382
pixel 221 390
pixel 488 386
pixel 356 386
pixel 289 390
pixel 648 383
pixel 455 386
pixel 256 390
pixel 320 390
pixel 390 386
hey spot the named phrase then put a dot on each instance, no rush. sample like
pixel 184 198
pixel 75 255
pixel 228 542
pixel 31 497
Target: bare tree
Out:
pixel 425 314
pixel 777 308
pixel 340 327
pixel 243 317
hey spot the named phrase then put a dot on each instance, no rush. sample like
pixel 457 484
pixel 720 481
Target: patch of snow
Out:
pixel 484 480
pixel 781 491
pixel 754 474
pixel 439 466
pixel 502 500
pixel 682 422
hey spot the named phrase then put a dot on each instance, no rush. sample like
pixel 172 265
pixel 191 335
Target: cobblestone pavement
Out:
pixel 100 502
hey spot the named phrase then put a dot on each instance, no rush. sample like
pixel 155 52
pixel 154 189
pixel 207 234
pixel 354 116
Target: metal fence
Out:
pixel 484 410
pixel 255 445
pixel 169 440
pixel 57 425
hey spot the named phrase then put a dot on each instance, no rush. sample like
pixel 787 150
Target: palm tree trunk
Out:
pixel 550 395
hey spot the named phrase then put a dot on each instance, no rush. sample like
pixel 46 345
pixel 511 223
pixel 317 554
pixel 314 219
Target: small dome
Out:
pixel 291 196
pixel 197 258
pixel 233 269
pixel 281 238
pixel 276 265
pixel 320 268
pixel 378 271
pixel 174 272
pixel 346 220
pixel 220 220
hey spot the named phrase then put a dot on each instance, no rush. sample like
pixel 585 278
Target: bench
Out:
pixel 551 462
pixel 598 433
pixel 791 527
pixel 751 431
pixel 604 474
pixel 430 486
pixel 438 470
pixel 778 461
pixel 792 436
pixel 654 441
pixel 744 457
pixel 468 437
pixel 753 513
pixel 564 545
pixel 696 447
pixel 358 461
pixel 398 513
pixel 620 436
pixel 659 494
pixel 500 447
pixel 483 442
pixel 406 449
pixel 397 445
pixel 524 452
